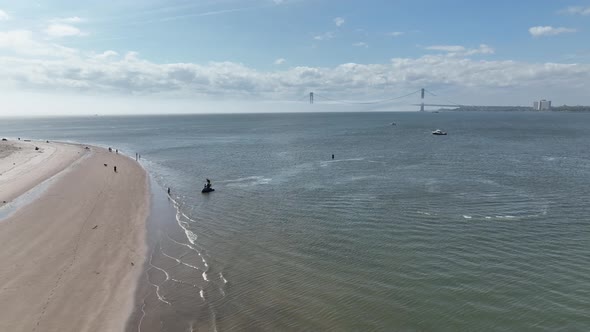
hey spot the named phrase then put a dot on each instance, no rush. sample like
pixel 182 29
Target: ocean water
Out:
pixel 487 228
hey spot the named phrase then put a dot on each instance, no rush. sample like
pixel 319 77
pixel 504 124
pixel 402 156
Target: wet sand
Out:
pixel 71 259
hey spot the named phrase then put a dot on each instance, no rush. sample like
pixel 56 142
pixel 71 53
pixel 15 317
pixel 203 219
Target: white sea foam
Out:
pixel 142 316
pixel 184 245
pixel 248 178
pixel 202 293
pixel 180 261
pixel 247 181
pixel 157 286
pixel 157 268
pixel 506 217
pixel 467 217
pixel 205 276
pixel 187 217
pixel 192 237
pixel 184 283
pixel 222 278
pixel 213 319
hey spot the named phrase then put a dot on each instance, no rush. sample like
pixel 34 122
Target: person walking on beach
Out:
pixel 115 169
pixel 117 151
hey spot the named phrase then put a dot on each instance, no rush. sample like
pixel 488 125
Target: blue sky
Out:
pixel 274 51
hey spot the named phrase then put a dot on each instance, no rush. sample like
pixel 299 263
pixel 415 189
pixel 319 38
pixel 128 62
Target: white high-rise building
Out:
pixel 542 105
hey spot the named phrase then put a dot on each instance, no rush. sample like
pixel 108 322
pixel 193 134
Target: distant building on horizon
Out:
pixel 542 105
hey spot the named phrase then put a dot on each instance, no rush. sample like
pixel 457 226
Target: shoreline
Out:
pixel 74 253
pixel 162 212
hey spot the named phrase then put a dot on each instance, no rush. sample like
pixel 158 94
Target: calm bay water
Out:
pixel 487 228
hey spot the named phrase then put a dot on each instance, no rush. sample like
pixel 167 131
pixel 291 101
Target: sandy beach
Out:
pixel 70 260
pixel 22 167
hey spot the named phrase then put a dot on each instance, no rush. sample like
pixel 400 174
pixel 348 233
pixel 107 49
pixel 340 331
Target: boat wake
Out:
pixel 246 181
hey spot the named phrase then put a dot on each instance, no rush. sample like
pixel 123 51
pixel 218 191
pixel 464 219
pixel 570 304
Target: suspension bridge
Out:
pixel 313 96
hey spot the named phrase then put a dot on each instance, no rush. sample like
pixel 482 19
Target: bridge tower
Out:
pixel 311 97
pixel 422 97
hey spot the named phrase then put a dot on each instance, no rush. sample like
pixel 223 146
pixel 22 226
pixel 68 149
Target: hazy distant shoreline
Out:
pixel 577 109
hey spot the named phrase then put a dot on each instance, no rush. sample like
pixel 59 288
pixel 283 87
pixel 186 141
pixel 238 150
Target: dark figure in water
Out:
pixel 168 190
pixel 332 157
pixel 208 185
pixel 115 168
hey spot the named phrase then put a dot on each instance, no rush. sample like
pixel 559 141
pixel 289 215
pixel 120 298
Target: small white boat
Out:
pixel 439 132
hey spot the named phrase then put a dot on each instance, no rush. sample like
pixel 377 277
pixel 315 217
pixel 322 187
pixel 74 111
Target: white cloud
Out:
pixel 106 55
pixel 57 30
pixel 457 50
pixel 4 16
pixel 361 44
pixel 339 21
pixel 540 31
pixel 68 20
pixel 130 74
pixel 22 42
pixel 576 10
pixel 324 36
pixel 45 66
pixel 395 33
pixel 447 48
pixel 279 61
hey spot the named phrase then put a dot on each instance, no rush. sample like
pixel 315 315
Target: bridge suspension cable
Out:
pixel 446 100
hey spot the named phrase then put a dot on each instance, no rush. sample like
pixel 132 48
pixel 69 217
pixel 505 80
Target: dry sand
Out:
pixel 70 260
pixel 22 167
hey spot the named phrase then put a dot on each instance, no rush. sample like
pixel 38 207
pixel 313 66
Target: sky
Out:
pixel 155 56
